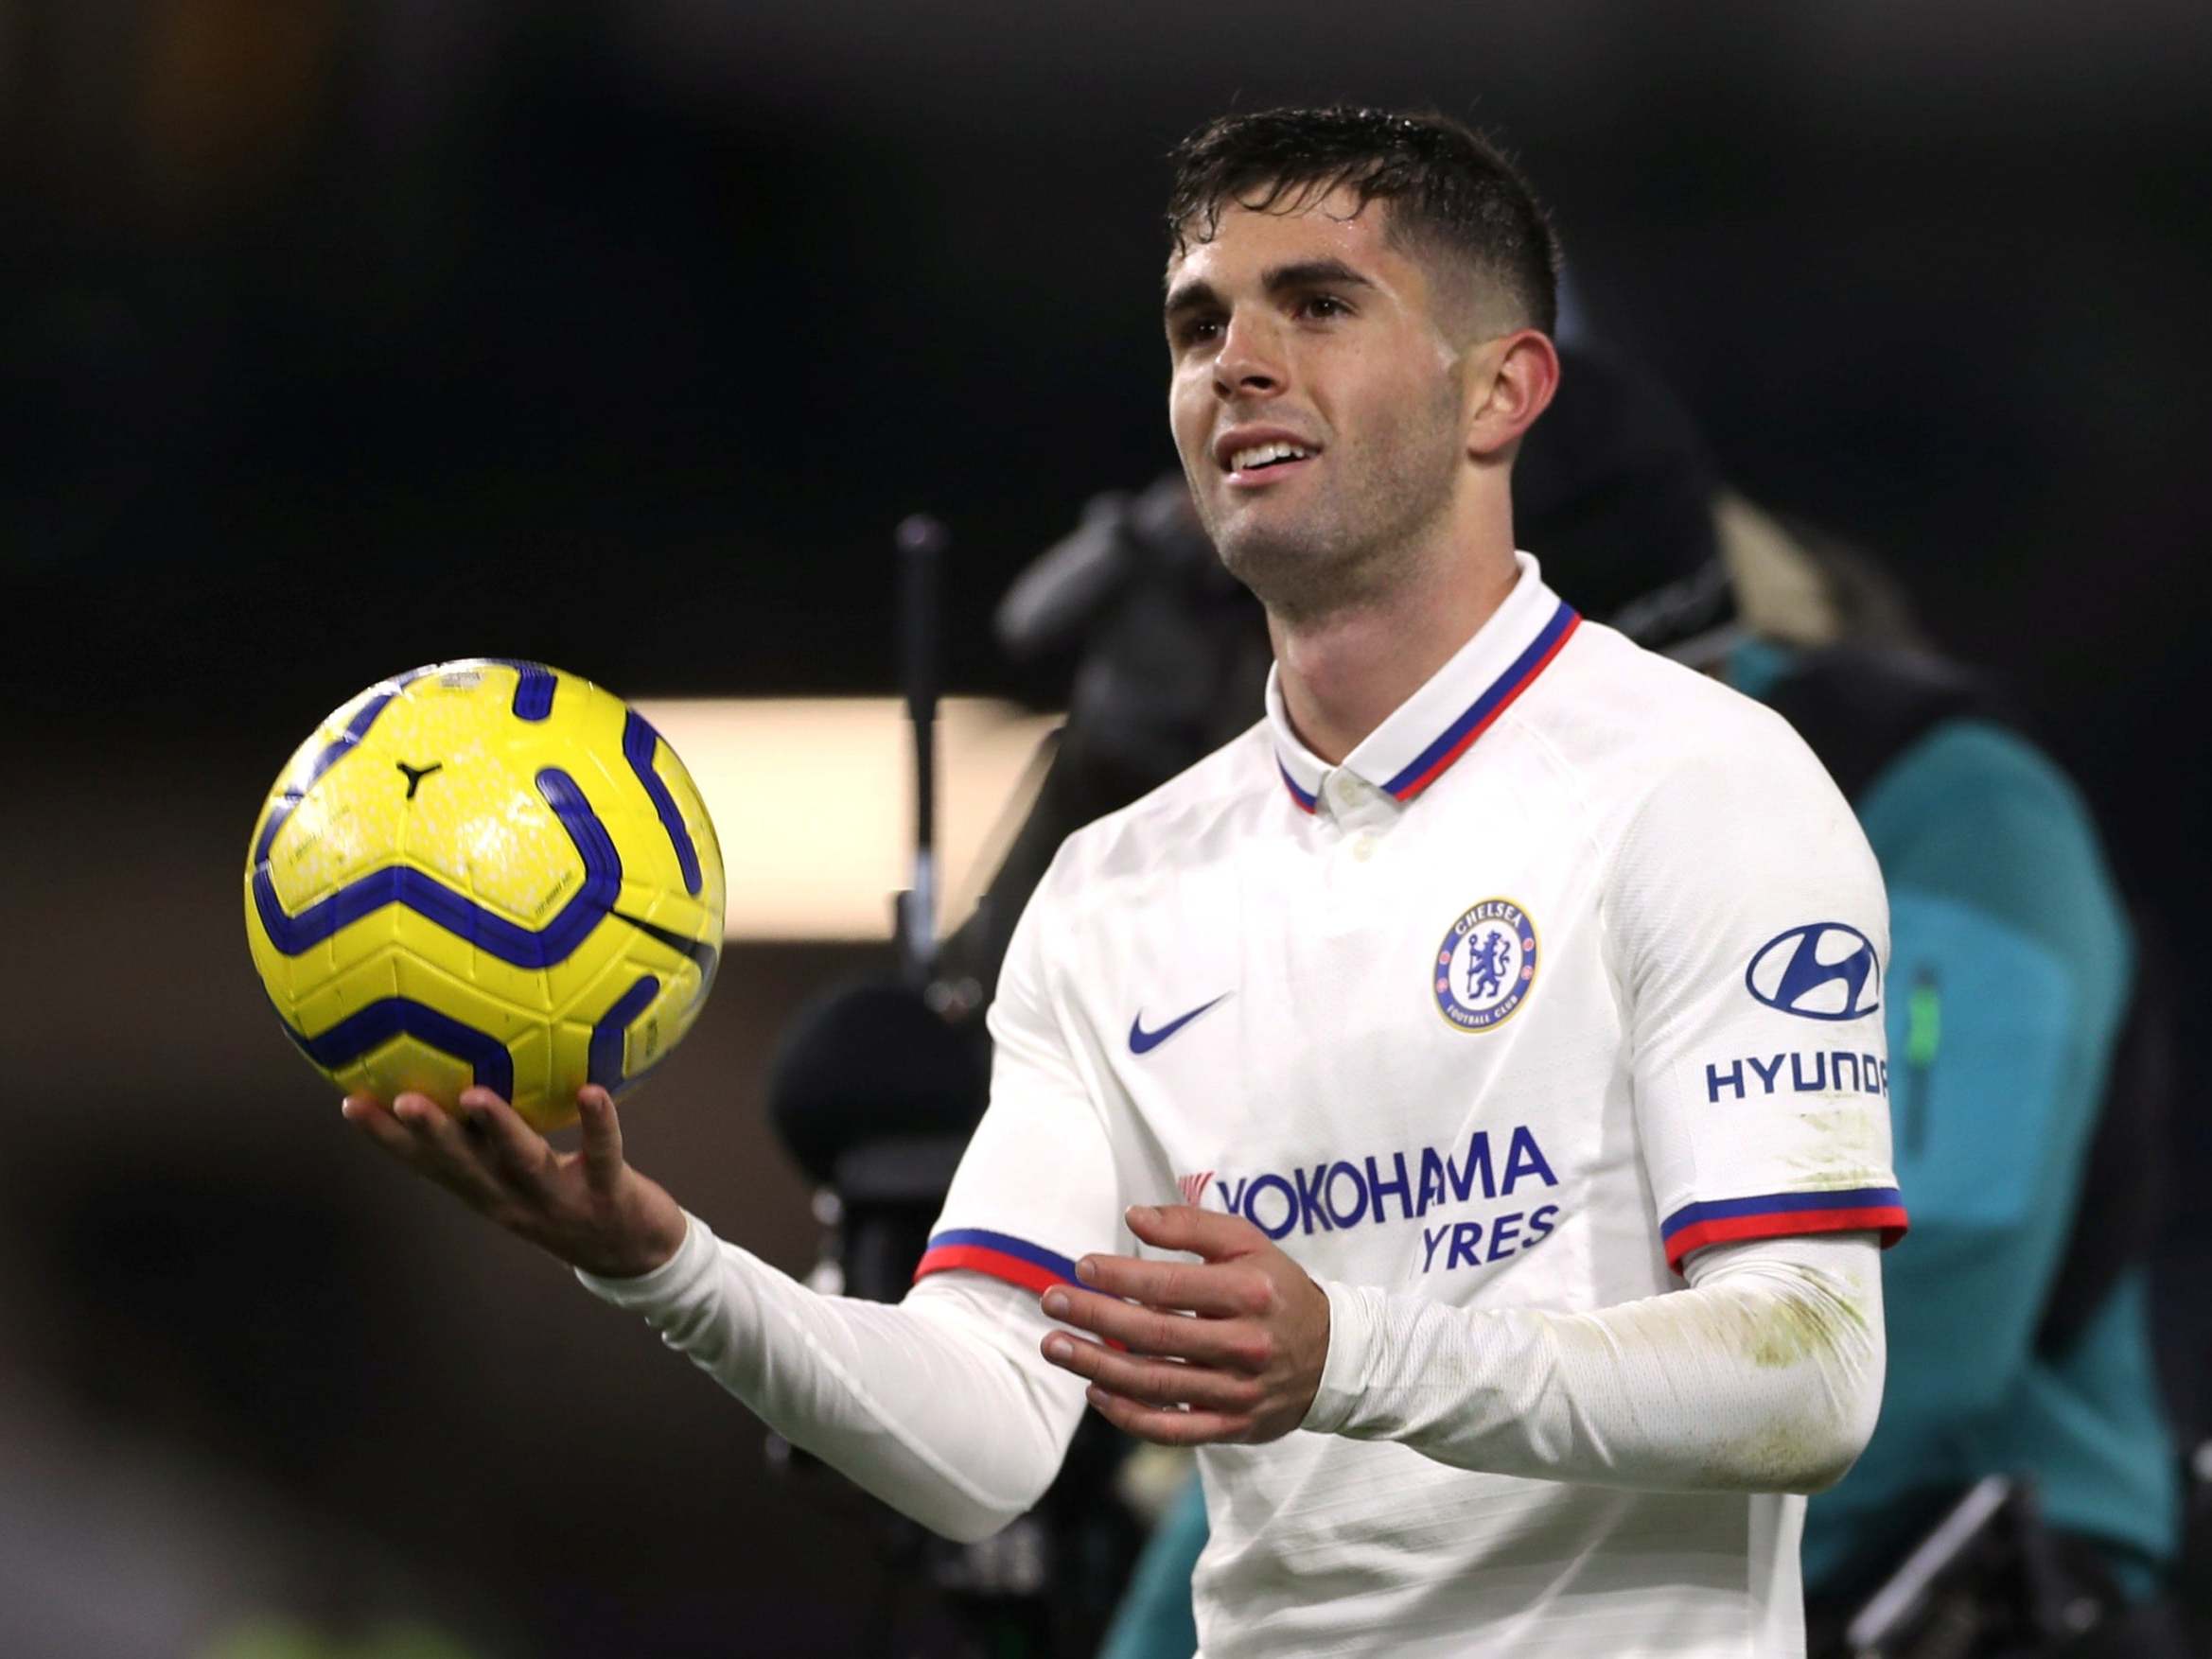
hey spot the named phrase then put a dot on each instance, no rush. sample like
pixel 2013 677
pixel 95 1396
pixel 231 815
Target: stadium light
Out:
pixel 813 799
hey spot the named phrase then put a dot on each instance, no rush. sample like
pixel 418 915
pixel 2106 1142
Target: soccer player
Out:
pixel 1523 1301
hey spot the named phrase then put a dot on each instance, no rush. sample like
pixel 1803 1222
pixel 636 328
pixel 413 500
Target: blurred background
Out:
pixel 339 337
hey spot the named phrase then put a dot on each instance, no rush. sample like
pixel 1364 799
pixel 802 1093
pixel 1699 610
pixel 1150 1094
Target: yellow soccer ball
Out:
pixel 489 872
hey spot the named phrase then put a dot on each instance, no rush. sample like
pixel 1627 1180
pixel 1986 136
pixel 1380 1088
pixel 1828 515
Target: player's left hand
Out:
pixel 1245 1368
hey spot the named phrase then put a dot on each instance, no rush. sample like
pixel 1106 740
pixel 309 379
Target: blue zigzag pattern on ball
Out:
pixel 605 1064
pixel 381 1022
pixel 434 901
pixel 639 741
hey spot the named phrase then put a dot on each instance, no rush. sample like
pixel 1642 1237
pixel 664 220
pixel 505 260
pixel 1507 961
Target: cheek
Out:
pixel 1411 414
pixel 1190 415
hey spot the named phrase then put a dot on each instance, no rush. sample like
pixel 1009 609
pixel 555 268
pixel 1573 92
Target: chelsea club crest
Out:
pixel 1485 966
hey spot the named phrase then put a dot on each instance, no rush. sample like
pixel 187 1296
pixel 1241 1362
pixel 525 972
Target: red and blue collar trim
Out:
pixel 1477 718
pixel 1455 740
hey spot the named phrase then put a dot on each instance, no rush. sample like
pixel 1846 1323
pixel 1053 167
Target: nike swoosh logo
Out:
pixel 1142 1041
pixel 698 950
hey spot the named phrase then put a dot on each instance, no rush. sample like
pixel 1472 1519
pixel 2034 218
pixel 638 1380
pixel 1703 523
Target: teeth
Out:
pixel 1260 454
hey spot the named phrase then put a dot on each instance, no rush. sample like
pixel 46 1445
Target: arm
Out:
pixel 939 1405
pixel 1764 1375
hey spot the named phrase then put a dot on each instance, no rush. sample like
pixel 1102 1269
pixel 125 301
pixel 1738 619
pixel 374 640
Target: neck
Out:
pixel 1344 672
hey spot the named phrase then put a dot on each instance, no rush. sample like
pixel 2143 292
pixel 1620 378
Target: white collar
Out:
pixel 1439 722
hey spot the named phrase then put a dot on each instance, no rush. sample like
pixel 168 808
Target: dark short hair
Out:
pixel 1449 188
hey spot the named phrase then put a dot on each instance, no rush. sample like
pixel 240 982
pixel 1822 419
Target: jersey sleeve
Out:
pixel 1752 935
pixel 1036 1187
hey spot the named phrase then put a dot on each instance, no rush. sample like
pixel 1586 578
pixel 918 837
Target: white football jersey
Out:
pixel 1571 968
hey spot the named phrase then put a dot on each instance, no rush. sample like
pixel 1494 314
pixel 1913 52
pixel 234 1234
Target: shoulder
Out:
pixel 1715 824
pixel 1646 735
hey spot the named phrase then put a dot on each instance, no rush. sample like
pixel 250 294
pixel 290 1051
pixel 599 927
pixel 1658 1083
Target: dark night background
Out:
pixel 335 339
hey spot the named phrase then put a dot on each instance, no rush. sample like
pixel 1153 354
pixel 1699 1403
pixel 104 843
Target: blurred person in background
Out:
pixel 2027 1105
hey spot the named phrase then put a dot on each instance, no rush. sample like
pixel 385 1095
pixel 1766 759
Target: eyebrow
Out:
pixel 1305 273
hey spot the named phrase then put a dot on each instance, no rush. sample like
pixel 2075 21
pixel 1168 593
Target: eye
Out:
pixel 1196 329
pixel 1323 305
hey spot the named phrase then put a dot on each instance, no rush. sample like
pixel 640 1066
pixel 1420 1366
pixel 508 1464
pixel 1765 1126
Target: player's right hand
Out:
pixel 586 1207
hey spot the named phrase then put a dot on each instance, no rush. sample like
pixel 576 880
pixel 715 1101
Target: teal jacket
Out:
pixel 2010 962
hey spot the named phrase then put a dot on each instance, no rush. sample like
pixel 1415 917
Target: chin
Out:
pixel 1288 574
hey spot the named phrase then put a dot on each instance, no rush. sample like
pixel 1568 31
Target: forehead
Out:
pixel 1305 227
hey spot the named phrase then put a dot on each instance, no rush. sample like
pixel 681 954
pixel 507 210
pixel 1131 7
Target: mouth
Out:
pixel 1253 460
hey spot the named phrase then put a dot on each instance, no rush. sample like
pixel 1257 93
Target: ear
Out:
pixel 1514 377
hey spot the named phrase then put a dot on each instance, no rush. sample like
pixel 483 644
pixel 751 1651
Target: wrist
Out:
pixel 1353 1314
pixel 656 1244
pixel 632 1234
pixel 654 1269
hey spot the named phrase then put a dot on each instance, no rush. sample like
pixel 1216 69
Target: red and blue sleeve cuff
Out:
pixel 1780 1214
pixel 999 1255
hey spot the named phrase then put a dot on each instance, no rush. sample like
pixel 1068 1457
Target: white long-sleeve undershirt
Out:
pixel 941 1404
pixel 1763 1375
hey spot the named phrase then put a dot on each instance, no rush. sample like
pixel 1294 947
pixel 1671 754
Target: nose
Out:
pixel 1251 360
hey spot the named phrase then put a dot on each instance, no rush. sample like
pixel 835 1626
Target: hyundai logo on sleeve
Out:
pixel 1824 970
